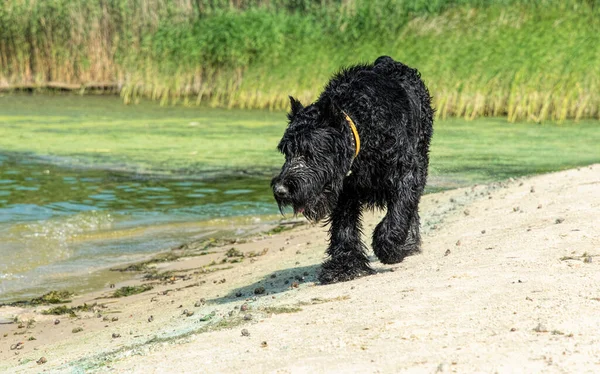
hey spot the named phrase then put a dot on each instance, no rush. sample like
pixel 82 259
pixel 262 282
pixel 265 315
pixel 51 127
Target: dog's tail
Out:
pixel 384 60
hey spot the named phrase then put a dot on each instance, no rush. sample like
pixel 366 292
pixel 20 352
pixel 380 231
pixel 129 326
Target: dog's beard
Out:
pixel 321 206
pixel 313 207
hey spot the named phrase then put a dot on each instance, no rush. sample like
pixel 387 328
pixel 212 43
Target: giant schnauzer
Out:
pixel 363 143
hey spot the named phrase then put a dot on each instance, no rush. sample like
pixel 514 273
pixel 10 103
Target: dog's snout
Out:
pixel 280 191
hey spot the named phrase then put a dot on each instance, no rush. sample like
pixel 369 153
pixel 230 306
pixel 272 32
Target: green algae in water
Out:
pixel 101 132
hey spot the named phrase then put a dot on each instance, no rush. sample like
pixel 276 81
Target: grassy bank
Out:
pixel 101 133
pixel 533 60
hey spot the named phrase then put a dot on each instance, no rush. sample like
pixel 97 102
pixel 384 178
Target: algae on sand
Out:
pixel 131 290
pixel 52 297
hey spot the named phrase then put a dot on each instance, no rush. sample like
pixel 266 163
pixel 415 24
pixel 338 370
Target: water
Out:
pixel 65 220
pixel 61 227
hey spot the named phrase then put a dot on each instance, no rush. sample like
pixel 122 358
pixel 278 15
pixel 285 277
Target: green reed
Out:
pixel 532 60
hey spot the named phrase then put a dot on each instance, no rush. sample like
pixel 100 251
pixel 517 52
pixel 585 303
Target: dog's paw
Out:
pixel 389 254
pixel 333 272
pixel 392 249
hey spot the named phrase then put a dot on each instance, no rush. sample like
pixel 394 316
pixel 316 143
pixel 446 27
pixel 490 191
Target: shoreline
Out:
pixel 145 265
pixel 512 264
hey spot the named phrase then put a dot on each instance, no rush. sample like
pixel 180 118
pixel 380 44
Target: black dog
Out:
pixel 364 142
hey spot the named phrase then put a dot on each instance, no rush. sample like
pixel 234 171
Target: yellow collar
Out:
pixel 354 132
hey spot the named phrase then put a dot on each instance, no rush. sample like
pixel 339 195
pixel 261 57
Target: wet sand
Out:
pixel 508 281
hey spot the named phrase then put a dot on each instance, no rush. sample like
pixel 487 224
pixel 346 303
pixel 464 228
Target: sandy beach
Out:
pixel 508 282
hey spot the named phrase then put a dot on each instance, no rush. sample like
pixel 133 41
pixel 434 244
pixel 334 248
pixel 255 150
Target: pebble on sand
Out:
pixel 42 361
pixel 540 328
pixel 245 332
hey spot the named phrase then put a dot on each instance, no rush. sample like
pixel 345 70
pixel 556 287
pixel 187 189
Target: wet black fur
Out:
pixel 391 108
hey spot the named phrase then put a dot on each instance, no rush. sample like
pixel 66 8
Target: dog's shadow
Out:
pixel 273 283
pixel 279 281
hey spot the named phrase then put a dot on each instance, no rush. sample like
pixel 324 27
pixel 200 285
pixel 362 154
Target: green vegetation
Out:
pixel 63 309
pixel 52 297
pixel 131 290
pixel 144 265
pixel 282 227
pixel 527 59
pixel 60 310
pixel 234 252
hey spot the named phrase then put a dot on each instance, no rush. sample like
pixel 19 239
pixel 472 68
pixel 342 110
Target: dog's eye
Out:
pixel 297 162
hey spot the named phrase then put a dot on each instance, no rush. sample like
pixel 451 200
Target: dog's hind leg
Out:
pixel 413 240
pixel 347 253
pixel 397 235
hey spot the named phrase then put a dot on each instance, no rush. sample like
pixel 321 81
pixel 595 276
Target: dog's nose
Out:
pixel 280 191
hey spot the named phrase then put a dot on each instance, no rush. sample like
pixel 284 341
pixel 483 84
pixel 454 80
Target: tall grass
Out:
pixel 524 59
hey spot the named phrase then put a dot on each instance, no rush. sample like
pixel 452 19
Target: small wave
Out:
pixel 9 276
pixel 30 245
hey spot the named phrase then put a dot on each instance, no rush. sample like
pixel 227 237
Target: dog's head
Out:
pixel 318 155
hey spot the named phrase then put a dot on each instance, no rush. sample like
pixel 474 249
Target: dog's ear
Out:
pixel 296 107
pixel 331 112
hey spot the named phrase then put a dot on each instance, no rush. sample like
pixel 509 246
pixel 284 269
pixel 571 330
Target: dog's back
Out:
pixel 371 85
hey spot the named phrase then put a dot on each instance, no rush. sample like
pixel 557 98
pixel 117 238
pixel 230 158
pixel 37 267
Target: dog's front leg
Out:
pixel 347 253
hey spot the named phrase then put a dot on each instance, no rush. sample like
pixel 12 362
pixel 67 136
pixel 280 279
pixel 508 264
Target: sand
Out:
pixel 508 282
